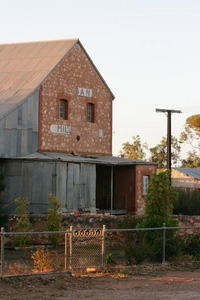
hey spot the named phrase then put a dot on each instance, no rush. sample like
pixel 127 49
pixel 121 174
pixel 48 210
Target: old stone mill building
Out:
pixel 56 132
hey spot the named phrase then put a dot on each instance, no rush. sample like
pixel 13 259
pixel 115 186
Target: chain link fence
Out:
pixel 91 249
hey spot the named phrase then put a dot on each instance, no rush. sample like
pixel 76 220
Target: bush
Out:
pixel 44 260
pixel 191 245
pixel 128 222
pixel 54 220
pixel 23 222
pixel 136 252
pixel 158 211
pixel 188 202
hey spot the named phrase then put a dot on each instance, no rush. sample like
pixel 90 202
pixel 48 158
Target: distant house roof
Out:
pixel 23 67
pixel 104 160
pixel 193 172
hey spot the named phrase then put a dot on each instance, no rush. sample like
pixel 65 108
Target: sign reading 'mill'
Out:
pixel 84 92
pixel 60 129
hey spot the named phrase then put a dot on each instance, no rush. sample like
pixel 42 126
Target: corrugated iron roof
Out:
pixel 23 67
pixel 193 172
pixel 104 160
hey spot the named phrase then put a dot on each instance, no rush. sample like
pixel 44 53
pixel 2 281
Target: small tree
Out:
pixel 159 152
pixel 191 134
pixel 134 150
pixel 23 221
pixel 159 210
pixel 54 219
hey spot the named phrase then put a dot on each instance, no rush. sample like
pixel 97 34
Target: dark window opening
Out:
pixel 63 109
pixel 90 112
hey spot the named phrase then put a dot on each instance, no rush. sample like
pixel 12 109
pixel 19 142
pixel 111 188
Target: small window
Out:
pixel 63 109
pixel 90 112
pixel 145 184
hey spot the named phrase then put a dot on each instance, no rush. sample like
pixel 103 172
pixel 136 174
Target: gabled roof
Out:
pixel 23 67
pixel 193 172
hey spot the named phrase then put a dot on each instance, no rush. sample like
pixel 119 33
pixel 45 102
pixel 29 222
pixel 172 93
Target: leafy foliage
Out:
pixel 44 260
pixel 23 222
pixel 158 210
pixel 134 150
pixel 187 202
pixel 159 152
pixel 191 245
pixel 192 160
pixel 54 219
pixel 191 136
pixel 160 196
pixel 129 221
pixel 110 260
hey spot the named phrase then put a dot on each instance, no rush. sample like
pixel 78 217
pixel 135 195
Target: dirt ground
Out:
pixel 147 282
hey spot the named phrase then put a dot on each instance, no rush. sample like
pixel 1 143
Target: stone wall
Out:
pixel 73 72
pixel 39 222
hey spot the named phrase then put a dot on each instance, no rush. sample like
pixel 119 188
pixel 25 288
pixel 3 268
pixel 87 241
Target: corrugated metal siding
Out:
pixel 19 129
pixel 74 184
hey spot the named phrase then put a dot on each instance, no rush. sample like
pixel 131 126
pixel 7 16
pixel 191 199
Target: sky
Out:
pixel 147 51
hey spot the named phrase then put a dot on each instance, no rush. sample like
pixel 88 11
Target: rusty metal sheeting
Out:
pixel 23 66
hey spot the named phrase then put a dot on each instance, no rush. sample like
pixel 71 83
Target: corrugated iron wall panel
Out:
pixel 20 129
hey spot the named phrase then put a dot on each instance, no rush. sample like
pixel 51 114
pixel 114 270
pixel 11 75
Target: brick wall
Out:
pixel 142 170
pixel 75 70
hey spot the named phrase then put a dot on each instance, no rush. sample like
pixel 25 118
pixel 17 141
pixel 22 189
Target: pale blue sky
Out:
pixel 148 52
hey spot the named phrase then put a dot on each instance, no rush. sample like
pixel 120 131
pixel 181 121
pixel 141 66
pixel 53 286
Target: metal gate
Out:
pixel 84 248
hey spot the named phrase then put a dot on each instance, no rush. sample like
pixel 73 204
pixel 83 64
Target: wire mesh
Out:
pixel 84 249
pixel 37 255
pixel 93 248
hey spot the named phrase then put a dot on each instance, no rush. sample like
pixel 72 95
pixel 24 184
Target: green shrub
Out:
pixel 188 202
pixel 110 260
pixel 158 211
pixel 129 221
pixel 192 245
pixel 54 220
pixel 136 252
pixel 23 222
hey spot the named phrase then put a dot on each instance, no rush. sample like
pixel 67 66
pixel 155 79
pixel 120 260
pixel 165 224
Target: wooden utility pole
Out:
pixel 169 112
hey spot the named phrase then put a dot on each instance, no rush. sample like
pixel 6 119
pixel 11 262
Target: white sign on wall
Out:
pixel 100 132
pixel 60 129
pixel 84 92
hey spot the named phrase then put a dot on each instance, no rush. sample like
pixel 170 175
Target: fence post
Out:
pixel 2 250
pixel 164 243
pixel 103 246
pixel 65 251
pixel 70 247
